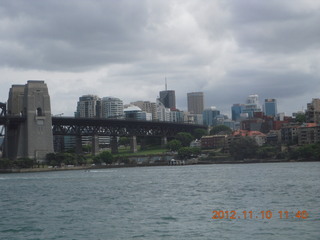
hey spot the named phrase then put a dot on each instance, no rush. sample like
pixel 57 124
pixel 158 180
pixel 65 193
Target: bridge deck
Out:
pixel 109 127
pixel 116 127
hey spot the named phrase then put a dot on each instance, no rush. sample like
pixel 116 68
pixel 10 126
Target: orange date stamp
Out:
pixel 268 214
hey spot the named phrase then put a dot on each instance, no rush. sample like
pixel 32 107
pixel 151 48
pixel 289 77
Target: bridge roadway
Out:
pixel 107 127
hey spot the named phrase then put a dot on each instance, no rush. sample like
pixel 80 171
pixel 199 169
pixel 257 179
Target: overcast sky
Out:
pixel 126 48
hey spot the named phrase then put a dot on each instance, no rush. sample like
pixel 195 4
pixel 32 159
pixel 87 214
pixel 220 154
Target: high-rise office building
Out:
pixel 270 107
pixel 209 116
pixel 168 98
pixel 195 102
pixel 88 106
pixel 112 108
pixel 252 105
pixel 236 111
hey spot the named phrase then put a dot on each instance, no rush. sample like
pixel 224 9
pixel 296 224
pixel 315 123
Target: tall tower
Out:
pixel 195 102
pixel 112 108
pixel 89 106
pixel 270 107
pixel 252 105
pixel 33 138
pixel 168 98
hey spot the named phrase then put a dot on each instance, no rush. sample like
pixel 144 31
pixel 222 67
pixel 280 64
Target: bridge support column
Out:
pixel 143 143
pixel 78 144
pixel 114 144
pixel 95 145
pixel 164 141
pixel 133 144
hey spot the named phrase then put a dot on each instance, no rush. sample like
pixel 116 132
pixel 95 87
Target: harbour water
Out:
pixel 171 202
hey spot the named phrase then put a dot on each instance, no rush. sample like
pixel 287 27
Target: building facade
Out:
pixel 89 106
pixel 209 116
pixel 236 111
pixel 270 107
pixel 112 108
pixel 252 105
pixel 147 106
pixel 309 134
pixel 195 102
pixel 313 111
pixel 135 113
pixel 168 98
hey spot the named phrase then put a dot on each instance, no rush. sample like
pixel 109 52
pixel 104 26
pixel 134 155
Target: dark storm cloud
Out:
pixel 227 49
pixel 71 35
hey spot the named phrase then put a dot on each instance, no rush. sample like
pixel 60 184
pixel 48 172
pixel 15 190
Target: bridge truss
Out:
pixel 112 127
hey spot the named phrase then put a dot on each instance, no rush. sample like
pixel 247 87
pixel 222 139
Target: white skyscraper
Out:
pixel 89 106
pixel 112 108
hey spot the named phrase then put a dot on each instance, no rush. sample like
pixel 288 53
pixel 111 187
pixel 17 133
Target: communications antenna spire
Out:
pixel 165 79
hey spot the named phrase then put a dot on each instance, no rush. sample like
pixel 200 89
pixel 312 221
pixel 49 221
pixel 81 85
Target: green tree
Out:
pixel 87 148
pixel 97 160
pixel 220 128
pixel 266 152
pixel 106 157
pixel 124 141
pixel 199 132
pixel 51 159
pixel 24 163
pixel 300 118
pixel 185 138
pixel 5 163
pixel 244 147
pixel 174 145
pixel 188 152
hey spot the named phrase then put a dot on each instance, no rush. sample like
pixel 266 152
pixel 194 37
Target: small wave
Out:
pixel 169 218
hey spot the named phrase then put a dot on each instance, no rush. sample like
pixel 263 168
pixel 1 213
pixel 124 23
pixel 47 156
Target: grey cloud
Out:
pixel 227 49
pixel 275 26
pixel 71 35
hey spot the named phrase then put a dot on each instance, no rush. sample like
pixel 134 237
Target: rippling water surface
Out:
pixel 162 202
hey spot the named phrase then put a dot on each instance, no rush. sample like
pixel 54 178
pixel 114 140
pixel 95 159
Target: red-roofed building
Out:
pixel 259 137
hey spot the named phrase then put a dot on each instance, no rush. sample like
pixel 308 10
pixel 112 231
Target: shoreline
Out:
pixel 247 161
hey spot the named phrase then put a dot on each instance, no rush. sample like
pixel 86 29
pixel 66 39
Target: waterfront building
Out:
pixel 88 106
pixel 313 111
pixel 259 137
pixel 168 98
pixel 213 141
pixel 112 108
pixel 270 107
pixel 209 116
pixel 309 133
pixel 195 102
pixel 289 133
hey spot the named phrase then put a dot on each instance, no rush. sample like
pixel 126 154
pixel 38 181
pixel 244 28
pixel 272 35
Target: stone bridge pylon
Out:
pixel 33 137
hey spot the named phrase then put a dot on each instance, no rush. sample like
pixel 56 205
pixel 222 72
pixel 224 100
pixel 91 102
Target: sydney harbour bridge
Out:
pixel 28 127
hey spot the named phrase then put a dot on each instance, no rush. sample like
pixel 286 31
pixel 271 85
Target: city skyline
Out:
pixel 225 49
